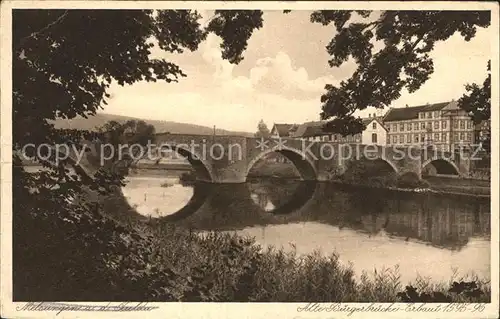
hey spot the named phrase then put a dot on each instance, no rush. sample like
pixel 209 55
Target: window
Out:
pixel 429 125
pixel 401 127
pixel 436 125
pixel 374 125
pixel 335 137
pixel 409 126
pixel 422 125
pixel 394 139
pixel 436 114
pixel 469 124
pixel 358 137
pixel 467 136
pixel 429 115
pixel 374 138
pixel 408 138
pixel 394 127
pixel 455 137
pixel 461 136
pixel 443 125
pixel 455 124
pixel 421 115
pixel 445 137
pixel 325 138
pixel 436 137
pixel 462 124
pixel 422 138
pixel 401 139
pixel 416 138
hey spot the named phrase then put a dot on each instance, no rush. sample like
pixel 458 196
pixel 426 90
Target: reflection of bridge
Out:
pixel 228 159
pixel 443 221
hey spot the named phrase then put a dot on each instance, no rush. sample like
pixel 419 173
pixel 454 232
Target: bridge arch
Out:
pixel 203 170
pixel 292 201
pixel 443 166
pixel 304 165
pixel 367 168
pixel 389 163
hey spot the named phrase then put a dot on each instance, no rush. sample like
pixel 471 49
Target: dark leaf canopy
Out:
pixel 403 62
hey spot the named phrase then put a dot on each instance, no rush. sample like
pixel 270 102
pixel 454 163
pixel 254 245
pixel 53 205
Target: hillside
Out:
pixel 161 126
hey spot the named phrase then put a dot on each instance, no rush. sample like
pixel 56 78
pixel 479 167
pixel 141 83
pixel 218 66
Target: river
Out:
pixel 426 235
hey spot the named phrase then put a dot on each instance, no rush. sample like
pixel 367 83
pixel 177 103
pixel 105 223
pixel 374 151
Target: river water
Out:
pixel 426 235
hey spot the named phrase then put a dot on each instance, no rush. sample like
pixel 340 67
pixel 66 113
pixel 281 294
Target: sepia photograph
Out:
pixel 333 160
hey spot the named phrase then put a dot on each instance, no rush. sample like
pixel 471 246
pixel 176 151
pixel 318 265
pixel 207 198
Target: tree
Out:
pixel 403 62
pixel 477 102
pixel 63 63
pixel 124 139
pixel 263 131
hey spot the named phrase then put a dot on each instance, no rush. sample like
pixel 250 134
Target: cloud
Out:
pixel 277 75
pixel 272 75
pixel 273 87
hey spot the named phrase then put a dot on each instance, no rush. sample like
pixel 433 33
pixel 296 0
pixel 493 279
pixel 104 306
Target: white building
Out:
pixel 375 132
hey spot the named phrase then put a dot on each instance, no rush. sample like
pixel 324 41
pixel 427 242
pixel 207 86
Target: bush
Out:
pixel 411 180
pixel 98 260
pixel 369 173
pixel 74 252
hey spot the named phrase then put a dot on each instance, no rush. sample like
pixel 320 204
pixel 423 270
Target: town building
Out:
pixel 283 130
pixel 444 125
pixel 374 133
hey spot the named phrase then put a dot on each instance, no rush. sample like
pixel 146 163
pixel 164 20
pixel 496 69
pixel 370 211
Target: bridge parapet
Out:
pixel 227 159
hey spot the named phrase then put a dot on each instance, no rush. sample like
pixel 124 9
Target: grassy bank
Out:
pixel 472 187
pixel 104 253
pixel 376 175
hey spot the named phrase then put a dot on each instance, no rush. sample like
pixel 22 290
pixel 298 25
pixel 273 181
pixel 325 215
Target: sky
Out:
pixel 281 78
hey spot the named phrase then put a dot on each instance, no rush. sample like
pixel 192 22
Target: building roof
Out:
pixel 311 129
pixel 283 129
pixel 378 119
pixel 302 128
pixel 293 128
pixel 314 130
pixel 410 113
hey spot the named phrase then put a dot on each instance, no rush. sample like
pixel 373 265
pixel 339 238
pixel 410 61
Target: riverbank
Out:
pixel 436 184
pixel 134 257
pixel 227 267
pixel 238 269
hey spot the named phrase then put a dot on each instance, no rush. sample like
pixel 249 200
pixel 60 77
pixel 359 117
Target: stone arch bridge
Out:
pixel 228 159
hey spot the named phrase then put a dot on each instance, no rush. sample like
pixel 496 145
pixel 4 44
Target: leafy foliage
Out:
pixel 462 290
pixel 63 63
pixel 403 62
pixel 126 136
pixel 235 27
pixel 477 102
pixel 262 131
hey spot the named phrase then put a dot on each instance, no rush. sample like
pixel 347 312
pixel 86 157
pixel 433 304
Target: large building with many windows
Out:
pixel 444 125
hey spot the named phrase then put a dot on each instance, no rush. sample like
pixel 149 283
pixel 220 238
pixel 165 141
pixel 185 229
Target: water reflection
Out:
pixel 441 221
pixel 157 196
pixel 426 233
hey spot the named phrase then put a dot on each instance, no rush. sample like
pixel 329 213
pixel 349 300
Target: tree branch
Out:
pixel 416 43
pixel 33 34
